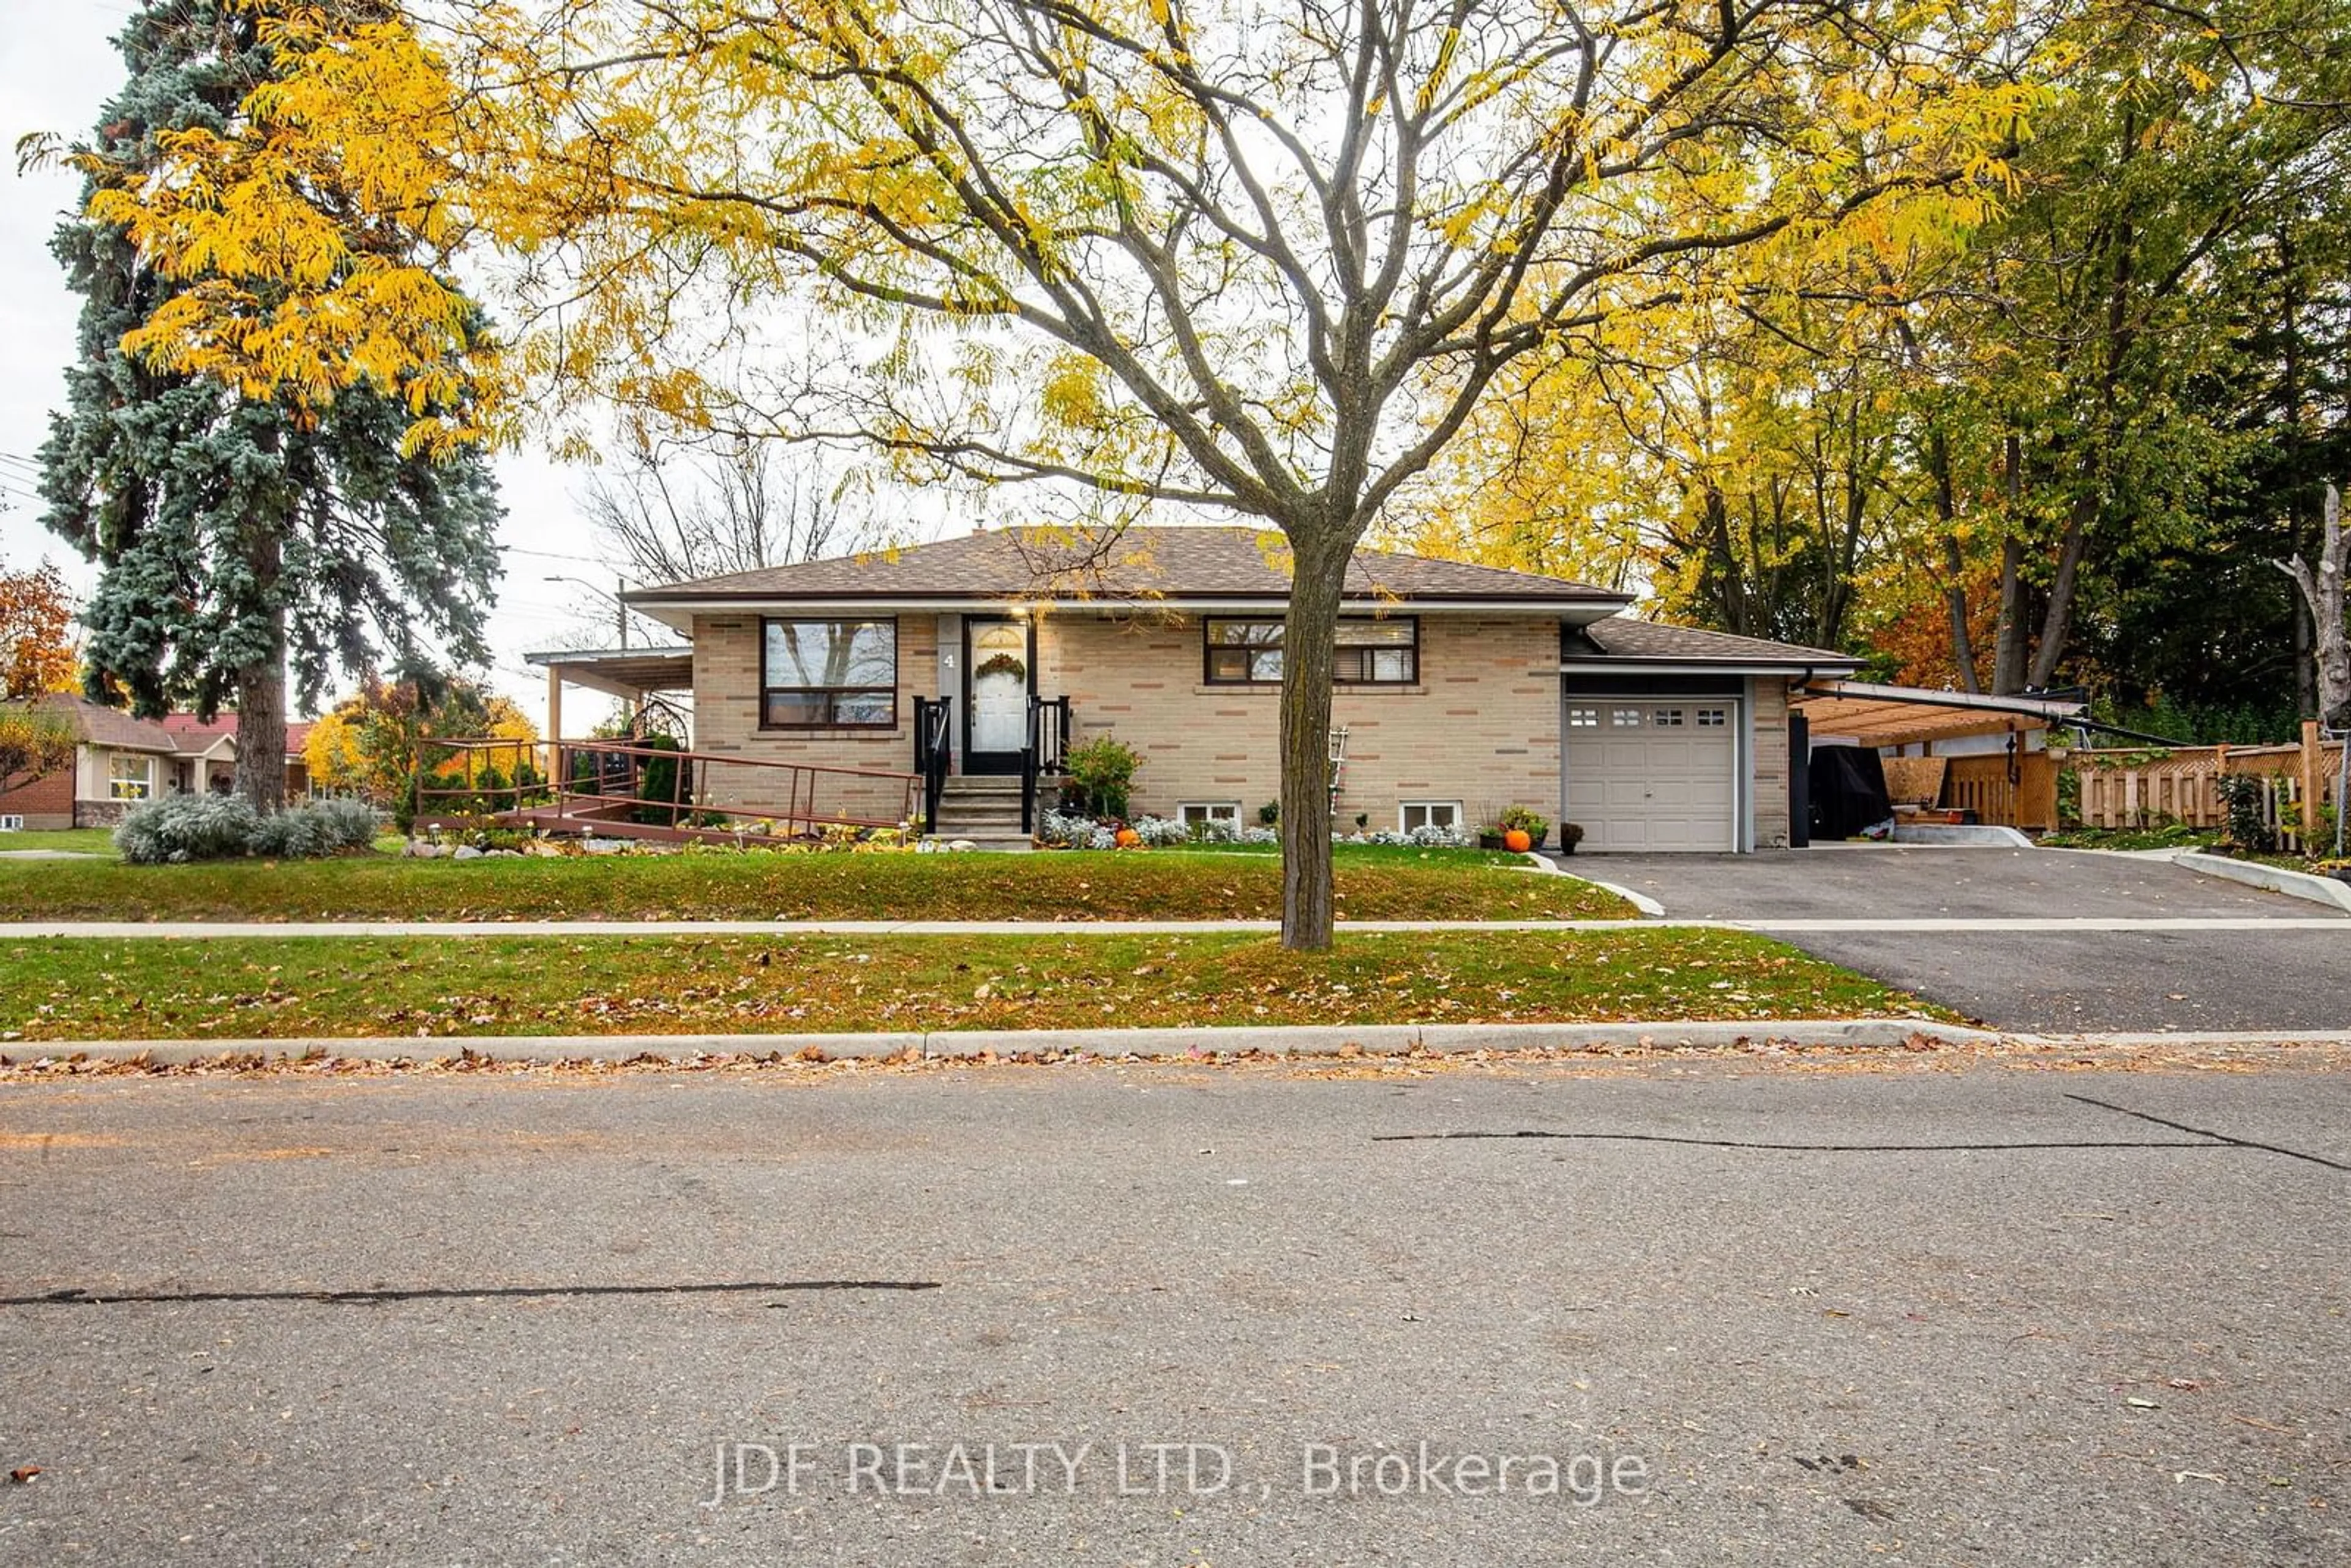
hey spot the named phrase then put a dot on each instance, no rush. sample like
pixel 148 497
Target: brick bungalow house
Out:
pixel 120 761
pixel 1462 689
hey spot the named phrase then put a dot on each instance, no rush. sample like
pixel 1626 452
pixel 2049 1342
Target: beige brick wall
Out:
pixel 726 724
pixel 1481 728
pixel 1771 787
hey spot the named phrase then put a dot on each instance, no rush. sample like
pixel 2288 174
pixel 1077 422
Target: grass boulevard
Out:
pixel 258 988
pixel 64 990
pixel 1372 882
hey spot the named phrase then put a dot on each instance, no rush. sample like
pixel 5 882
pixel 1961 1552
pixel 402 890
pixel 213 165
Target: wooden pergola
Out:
pixel 1879 716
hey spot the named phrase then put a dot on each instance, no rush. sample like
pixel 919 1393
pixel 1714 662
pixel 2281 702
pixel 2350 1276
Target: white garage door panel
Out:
pixel 1652 786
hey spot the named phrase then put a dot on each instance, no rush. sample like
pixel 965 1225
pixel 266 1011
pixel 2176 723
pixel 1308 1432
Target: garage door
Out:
pixel 1653 775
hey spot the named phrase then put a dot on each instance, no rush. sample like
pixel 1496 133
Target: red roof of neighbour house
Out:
pixel 194 733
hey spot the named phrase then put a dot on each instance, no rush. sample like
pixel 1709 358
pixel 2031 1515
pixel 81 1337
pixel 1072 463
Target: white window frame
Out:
pixel 1194 813
pixel 1581 716
pixel 118 788
pixel 1625 715
pixel 1405 808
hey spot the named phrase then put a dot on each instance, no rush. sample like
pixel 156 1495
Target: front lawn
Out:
pixel 80 841
pixel 1372 882
pixel 279 987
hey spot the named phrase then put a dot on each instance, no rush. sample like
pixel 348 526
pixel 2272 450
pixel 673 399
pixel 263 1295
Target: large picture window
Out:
pixel 129 776
pixel 1372 653
pixel 829 674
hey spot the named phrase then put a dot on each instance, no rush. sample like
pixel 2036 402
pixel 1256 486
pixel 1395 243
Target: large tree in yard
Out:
pixel 1246 260
pixel 243 523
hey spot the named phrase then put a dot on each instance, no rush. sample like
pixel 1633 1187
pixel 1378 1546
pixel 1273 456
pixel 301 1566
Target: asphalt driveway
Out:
pixel 2268 969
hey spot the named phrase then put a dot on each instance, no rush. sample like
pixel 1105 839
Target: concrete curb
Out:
pixel 2277 879
pixel 1649 907
pixel 1956 836
pixel 1369 1039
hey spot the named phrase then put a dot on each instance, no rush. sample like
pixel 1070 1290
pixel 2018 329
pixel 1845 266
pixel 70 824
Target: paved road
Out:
pixel 1830 1319
pixel 2296 976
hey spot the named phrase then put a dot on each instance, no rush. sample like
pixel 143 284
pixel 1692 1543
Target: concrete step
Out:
pixel 966 811
pixel 983 784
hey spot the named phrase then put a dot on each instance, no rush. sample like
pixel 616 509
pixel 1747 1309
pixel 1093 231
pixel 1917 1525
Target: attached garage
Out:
pixel 1647 775
pixel 1676 740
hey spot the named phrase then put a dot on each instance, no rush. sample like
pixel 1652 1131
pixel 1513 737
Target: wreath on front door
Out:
pixel 1003 665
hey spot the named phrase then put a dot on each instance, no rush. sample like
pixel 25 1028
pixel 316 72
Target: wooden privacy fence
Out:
pixel 2145 789
pixel 2013 791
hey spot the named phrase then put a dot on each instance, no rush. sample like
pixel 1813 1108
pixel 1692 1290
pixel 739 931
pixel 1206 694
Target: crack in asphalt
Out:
pixel 2208 1133
pixel 75 1296
pixel 2213 1142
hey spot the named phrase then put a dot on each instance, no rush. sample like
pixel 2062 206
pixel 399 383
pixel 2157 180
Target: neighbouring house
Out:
pixel 208 753
pixel 1461 689
pixel 117 762
pixel 120 761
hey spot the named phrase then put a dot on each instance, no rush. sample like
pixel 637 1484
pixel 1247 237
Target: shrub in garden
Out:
pixel 1525 819
pixel 2246 796
pixel 315 829
pixel 664 779
pixel 1103 770
pixel 1075 832
pixel 180 828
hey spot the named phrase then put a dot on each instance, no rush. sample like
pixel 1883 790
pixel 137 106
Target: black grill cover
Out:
pixel 1848 791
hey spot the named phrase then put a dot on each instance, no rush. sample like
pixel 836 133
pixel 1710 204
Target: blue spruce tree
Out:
pixel 238 538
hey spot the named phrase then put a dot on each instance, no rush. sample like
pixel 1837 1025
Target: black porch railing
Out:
pixel 933 729
pixel 1042 756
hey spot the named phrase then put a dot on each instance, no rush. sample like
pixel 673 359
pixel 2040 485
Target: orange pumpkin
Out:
pixel 1128 838
pixel 1517 842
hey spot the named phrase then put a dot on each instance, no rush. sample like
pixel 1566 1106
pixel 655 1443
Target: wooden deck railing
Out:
pixel 654 791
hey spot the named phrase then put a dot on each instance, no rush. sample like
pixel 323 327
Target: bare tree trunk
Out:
pixel 2057 623
pixel 1309 640
pixel 261 695
pixel 2322 591
pixel 2014 640
pixel 1955 563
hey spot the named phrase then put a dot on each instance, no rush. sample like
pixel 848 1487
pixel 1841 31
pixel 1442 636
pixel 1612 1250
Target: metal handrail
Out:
pixel 933 730
pixel 1043 750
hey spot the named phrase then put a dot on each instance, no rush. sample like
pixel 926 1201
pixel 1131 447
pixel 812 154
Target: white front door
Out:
pixel 1651 775
pixel 998 684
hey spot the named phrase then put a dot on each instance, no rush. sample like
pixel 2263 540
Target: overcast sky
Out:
pixel 57 66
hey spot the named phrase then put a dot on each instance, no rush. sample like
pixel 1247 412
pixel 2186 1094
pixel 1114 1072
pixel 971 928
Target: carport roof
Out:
pixel 622 672
pixel 1875 715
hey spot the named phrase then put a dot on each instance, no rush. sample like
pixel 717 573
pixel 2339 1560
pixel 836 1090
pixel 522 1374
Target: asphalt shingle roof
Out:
pixel 1622 637
pixel 1137 563
pixel 96 725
